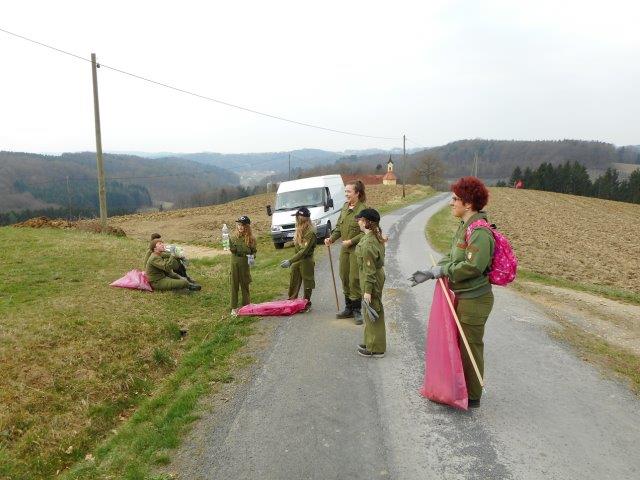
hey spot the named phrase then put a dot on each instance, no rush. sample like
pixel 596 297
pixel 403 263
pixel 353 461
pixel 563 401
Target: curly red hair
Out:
pixel 471 190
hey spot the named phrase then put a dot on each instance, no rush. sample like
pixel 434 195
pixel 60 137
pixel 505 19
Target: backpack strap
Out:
pixel 482 223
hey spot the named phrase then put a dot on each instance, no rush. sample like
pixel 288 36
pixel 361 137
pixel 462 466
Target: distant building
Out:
pixel 389 177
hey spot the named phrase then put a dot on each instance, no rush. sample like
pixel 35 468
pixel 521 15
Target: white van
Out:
pixel 323 196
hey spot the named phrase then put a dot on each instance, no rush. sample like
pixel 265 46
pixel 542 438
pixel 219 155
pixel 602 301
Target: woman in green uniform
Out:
pixel 178 265
pixel 242 245
pixel 302 264
pixel 160 272
pixel 467 266
pixel 370 258
pixel 348 231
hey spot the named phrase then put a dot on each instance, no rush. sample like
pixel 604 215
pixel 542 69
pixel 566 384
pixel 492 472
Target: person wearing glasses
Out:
pixel 466 266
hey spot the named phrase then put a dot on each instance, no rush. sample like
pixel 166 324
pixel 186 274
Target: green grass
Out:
pixel 440 230
pixel 81 359
pixel 415 194
pixel 599 352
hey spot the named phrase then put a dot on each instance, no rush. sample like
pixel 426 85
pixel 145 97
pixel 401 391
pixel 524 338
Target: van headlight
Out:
pixel 276 228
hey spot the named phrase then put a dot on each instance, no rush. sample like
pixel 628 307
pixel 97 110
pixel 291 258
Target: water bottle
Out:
pixel 225 237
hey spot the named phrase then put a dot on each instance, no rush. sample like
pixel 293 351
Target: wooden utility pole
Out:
pixel 102 193
pixel 289 166
pixel 404 161
pixel 69 197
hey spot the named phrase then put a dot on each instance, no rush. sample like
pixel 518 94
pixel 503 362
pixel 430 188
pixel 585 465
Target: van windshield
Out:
pixel 309 197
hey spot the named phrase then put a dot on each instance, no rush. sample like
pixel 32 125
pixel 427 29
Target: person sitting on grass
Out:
pixel 160 272
pixel 179 264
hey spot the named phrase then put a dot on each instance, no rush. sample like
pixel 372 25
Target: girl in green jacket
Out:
pixel 467 266
pixel 302 263
pixel 243 249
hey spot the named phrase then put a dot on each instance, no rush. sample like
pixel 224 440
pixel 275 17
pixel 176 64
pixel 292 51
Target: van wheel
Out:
pixel 279 246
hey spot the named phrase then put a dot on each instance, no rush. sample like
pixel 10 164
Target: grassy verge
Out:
pixel 393 196
pixel 90 370
pixel 599 352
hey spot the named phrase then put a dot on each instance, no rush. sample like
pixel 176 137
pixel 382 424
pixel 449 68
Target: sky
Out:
pixel 435 71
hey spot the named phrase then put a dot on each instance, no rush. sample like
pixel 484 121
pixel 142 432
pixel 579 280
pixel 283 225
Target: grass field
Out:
pixel 97 382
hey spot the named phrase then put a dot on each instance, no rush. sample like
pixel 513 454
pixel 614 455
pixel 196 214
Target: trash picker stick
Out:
pixel 333 277
pixel 455 317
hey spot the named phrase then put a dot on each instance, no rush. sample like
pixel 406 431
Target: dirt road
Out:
pixel 313 409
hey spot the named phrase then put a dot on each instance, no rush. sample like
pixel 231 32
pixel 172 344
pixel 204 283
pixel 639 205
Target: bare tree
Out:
pixel 429 170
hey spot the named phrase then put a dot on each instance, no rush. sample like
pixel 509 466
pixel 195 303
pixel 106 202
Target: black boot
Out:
pixel 357 313
pixel 348 309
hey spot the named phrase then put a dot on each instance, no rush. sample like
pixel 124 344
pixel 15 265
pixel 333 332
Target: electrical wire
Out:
pixel 197 95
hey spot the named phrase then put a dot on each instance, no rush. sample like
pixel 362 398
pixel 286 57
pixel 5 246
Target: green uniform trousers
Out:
pixel 302 272
pixel 473 314
pixel 349 274
pixel 375 334
pixel 169 284
pixel 240 277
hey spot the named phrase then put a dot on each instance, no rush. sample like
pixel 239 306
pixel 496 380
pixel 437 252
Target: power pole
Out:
pixel 404 161
pixel 102 194
pixel 69 197
pixel 289 166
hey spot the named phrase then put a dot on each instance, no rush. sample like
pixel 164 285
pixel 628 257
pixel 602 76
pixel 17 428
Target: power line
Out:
pixel 197 95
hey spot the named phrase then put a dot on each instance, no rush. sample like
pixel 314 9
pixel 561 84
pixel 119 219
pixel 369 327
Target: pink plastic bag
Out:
pixel 443 374
pixel 135 279
pixel 274 309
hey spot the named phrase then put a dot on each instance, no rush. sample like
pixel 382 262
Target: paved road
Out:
pixel 316 410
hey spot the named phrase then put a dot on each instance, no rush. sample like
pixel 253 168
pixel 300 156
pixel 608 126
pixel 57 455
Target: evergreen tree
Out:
pixel 515 176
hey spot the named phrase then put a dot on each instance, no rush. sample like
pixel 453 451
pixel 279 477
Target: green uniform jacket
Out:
pixel 239 251
pixel 148 254
pixel 467 264
pixel 347 227
pixel 304 255
pixel 159 267
pixel 370 254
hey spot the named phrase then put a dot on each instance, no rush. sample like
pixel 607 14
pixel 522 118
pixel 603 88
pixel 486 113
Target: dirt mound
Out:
pixel 84 225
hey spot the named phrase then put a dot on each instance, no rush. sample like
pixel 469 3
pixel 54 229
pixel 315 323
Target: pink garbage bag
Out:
pixel 274 309
pixel 443 374
pixel 135 279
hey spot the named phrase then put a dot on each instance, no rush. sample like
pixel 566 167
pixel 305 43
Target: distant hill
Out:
pixel 23 175
pixel 269 161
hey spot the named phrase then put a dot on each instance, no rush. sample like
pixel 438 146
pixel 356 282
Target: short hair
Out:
pixel 471 190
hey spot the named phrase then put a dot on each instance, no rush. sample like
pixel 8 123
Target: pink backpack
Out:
pixel 504 263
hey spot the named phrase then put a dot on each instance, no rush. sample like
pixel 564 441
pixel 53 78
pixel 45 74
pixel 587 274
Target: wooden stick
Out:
pixel 333 277
pixel 455 316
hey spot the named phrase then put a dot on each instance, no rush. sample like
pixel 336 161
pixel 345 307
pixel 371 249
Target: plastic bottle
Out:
pixel 225 237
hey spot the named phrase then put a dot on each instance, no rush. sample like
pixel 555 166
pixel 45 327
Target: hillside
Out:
pixel 24 175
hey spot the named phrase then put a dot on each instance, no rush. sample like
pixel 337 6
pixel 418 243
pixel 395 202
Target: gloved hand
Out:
pixel 251 260
pixel 285 264
pixel 424 275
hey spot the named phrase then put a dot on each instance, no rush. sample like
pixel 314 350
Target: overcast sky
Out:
pixel 437 71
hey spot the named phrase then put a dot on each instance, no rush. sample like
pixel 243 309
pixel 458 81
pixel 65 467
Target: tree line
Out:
pixel 572 178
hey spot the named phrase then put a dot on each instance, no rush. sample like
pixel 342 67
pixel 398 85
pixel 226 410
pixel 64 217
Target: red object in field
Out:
pixel 443 374
pixel 273 309
pixel 519 184
pixel 135 279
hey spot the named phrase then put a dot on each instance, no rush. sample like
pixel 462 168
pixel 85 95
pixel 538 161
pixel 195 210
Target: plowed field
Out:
pixel 203 225
pixel 580 239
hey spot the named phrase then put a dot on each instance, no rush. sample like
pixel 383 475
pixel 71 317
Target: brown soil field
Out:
pixel 203 225
pixel 580 239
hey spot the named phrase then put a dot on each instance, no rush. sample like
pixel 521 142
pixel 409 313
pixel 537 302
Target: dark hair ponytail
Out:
pixel 358 186
pixel 375 230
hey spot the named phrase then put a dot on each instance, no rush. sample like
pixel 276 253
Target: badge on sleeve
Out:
pixel 469 256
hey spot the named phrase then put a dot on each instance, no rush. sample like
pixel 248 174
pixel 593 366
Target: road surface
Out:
pixel 314 409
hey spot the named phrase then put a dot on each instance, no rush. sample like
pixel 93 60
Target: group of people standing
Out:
pixel 361 267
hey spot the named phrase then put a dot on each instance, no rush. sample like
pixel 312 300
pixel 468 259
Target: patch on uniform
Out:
pixel 473 248
pixel 462 245
pixel 469 255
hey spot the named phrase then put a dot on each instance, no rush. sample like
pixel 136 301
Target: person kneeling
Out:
pixel 160 272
